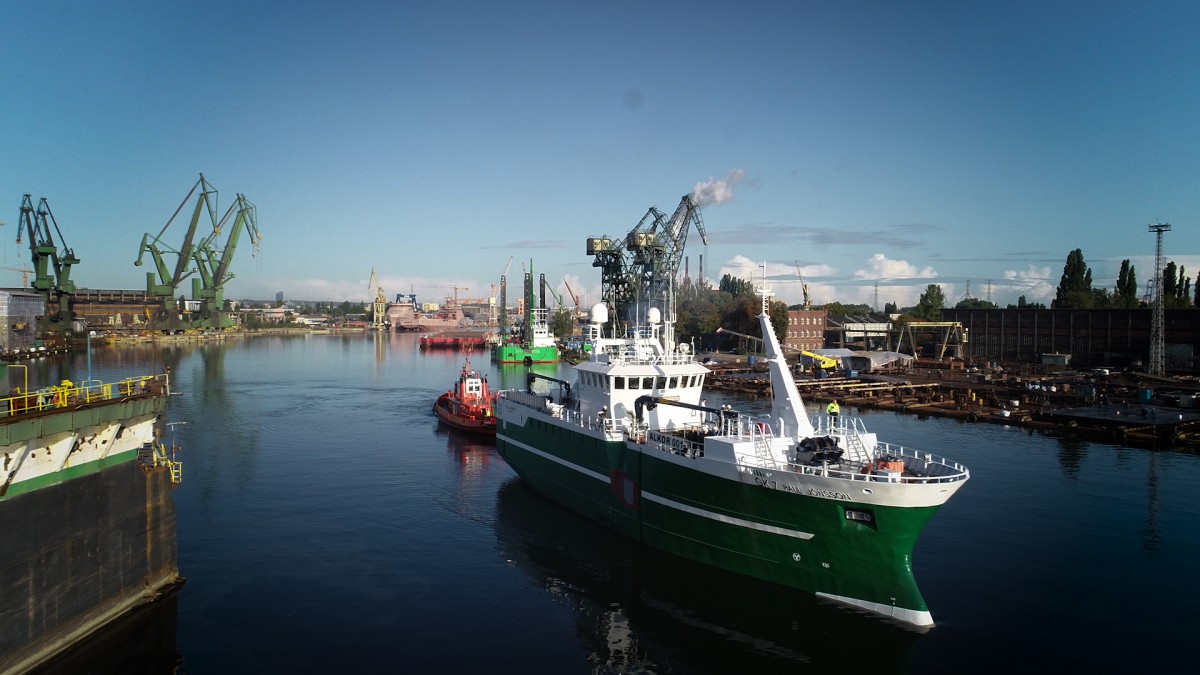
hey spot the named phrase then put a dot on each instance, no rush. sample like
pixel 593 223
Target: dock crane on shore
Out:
pixel 574 298
pixel 803 286
pixel 51 265
pixel 25 272
pixel 213 261
pixel 639 272
pixel 169 315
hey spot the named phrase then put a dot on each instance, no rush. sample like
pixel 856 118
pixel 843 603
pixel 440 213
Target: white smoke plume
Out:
pixel 713 191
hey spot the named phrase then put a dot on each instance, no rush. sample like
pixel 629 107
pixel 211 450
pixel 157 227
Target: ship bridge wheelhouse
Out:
pixel 615 389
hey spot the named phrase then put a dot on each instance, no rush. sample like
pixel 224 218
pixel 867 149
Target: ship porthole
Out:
pixel 866 491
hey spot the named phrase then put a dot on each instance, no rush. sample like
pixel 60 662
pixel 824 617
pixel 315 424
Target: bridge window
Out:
pixel 618 382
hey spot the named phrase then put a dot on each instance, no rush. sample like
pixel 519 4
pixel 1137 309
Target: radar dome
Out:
pixel 599 313
pixel 654 316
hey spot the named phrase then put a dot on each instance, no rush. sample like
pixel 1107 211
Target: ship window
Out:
pixel 647 383
pixel 661 383
pixel 635 383
pixel 674 383
pixel 618 382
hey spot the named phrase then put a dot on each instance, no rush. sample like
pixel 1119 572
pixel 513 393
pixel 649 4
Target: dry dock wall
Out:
pixel 77 555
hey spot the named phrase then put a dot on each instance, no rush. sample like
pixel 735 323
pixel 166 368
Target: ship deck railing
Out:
pixel 70 395
pixel 614 429
pixel 919 466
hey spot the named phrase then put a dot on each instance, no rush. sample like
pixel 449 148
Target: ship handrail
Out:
pixel 68 394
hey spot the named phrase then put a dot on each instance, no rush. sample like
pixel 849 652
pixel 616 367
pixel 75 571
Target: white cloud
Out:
pixel 1033 282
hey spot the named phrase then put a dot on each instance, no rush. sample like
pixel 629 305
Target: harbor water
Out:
pixel 328 523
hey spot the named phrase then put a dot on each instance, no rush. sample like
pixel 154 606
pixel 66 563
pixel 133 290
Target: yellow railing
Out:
pixel 67 394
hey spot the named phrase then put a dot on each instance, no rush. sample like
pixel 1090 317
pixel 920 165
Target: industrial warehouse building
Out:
pixel 1080 338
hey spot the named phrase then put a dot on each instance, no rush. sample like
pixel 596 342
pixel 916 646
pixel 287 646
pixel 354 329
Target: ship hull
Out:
pixel 81 553
pixel 754 528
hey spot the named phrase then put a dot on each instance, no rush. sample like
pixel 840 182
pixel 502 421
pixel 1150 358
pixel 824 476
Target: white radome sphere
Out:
pixel 654 316
pixel 599 313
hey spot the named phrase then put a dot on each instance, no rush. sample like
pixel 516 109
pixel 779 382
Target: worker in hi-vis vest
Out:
pixel 832 409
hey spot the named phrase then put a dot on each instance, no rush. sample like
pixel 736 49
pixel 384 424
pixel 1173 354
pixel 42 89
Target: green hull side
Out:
pixel 67 474
pixel 586 487
pixel 518 354
pixel 842 558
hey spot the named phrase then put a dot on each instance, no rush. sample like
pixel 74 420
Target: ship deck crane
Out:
pixel 162 289
pixel 51 265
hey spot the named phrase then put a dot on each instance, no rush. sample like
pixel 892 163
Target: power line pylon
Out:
pixel 1157 359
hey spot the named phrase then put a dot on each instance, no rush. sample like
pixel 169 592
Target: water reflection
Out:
pixel 1071 452
pixel 641 610
pixel 141 643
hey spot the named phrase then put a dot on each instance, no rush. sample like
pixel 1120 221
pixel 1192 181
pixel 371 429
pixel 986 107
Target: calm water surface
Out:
pixel 328 523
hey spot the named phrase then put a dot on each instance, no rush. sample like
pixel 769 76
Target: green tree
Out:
pixel 1125 296
pixel 974 303
pixel 1022 304
pixel 562 324
pixel 735 286
pixel 1075 286
pixel 929 307
pixel 838 309
pixel 890 308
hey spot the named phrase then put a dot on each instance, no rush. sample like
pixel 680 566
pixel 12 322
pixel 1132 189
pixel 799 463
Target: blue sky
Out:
pixel 877 145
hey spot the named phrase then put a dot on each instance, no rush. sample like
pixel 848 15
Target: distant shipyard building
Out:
pixel 1091 338
pixel 19 310
pixel 805 330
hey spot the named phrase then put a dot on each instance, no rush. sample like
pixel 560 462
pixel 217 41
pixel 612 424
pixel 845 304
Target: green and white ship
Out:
pixel 817 504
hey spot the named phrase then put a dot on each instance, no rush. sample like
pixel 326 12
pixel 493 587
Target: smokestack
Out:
pixel 700 275
pixel 686 264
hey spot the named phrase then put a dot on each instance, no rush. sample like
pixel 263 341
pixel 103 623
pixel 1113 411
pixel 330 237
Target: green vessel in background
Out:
pixel 531 341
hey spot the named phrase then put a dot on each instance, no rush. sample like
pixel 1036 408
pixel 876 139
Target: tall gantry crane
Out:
pixel 213 261
pixel 161 290
pixel 51 265
pixel 803 286
pixel 641 271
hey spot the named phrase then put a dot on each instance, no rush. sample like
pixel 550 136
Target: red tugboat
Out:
pixel 468 404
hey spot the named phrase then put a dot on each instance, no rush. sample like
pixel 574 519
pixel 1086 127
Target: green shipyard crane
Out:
pixel 213 261
pixel 637 273
pixel 169 316
pixel 51 265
